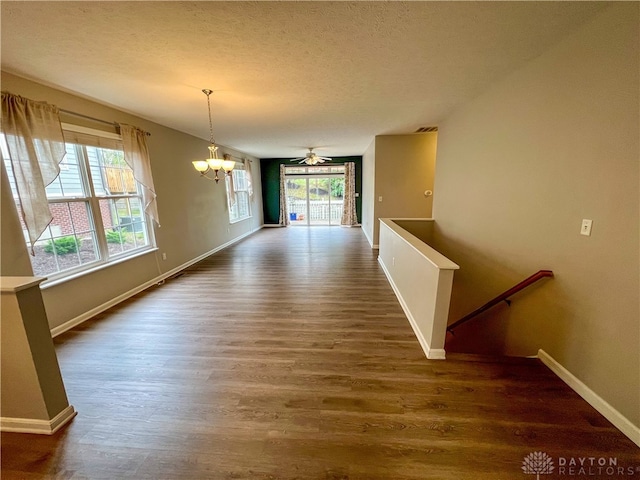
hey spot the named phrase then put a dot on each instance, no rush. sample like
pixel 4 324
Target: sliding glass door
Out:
pixel 315 199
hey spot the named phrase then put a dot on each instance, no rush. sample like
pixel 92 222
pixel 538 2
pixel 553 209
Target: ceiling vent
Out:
pixel 426 129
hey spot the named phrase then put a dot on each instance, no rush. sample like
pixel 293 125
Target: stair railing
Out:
pixel 503 297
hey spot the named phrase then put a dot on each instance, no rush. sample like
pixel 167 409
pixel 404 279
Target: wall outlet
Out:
pixel 164 256
pixel 585 229
pixel 380 198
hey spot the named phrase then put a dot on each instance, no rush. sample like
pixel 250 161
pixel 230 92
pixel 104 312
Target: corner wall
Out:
pixel 404 169
pixel 518 169
pixel 193 212
pixel 368 191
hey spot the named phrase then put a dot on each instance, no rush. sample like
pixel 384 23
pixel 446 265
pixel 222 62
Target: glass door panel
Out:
pixel 315 200
pixel 297 200
pixel 336 187
pixel 319 201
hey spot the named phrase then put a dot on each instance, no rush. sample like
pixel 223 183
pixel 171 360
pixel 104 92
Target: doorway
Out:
pixel 315 199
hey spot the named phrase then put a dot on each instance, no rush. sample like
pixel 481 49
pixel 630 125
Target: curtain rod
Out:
pixel 82 115
pixel 244 159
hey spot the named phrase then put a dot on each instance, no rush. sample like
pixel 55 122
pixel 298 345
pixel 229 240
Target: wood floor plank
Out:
pixel 287 356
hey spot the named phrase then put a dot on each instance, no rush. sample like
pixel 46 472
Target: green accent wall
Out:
pixel 270 176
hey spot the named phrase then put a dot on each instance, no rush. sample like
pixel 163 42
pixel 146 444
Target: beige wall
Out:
pixel 21 394
pixel 401 167
pixel 518 169
pixel 193 211
pixel 25 332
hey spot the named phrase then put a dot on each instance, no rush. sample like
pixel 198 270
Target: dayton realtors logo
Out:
pixel 539 463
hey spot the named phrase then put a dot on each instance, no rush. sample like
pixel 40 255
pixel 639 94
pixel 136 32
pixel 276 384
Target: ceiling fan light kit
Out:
pixel 213 162
pixel 311 158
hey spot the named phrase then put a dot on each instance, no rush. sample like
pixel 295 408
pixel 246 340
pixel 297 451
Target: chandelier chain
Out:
pixel 214 163
pixel 208 93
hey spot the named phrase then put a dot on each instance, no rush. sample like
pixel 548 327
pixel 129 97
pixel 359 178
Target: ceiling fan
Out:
pixel 311 158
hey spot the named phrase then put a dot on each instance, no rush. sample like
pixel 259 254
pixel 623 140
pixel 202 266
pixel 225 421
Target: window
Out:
pixel 313 170
pixel 238 194
pixel 96 204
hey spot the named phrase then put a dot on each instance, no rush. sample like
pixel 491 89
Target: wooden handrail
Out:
pixel 502 297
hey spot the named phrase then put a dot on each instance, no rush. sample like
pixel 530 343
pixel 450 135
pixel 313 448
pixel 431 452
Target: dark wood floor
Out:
pixel 288 356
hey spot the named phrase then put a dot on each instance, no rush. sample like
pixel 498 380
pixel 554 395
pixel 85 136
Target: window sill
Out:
pixel 60 280
pixel 231 222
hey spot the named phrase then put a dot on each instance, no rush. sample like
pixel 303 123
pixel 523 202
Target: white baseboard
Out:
pixel 437 354
pixel 430 353
pixel 272 225
pixel 366 235
pixel 32 425
pixel 68 325
pixel 592 398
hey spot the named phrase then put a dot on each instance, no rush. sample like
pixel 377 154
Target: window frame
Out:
pixel 325 170
pixel 95 219
pixel 244 191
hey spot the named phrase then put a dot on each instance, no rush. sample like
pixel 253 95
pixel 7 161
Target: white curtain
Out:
pixel 349 216
pixel 136 154
pixel 36 147
pixel 284 215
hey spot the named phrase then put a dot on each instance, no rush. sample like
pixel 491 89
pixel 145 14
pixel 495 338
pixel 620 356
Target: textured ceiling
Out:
pixel 285 75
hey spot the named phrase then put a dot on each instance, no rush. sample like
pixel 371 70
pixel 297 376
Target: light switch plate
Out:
pixel 586 227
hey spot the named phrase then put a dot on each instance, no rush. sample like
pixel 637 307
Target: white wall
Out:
pixel 518 169
pixel 421 279
pixel 368 190
pixel 193 212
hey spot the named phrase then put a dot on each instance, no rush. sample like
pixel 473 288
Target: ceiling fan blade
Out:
pixel 311 158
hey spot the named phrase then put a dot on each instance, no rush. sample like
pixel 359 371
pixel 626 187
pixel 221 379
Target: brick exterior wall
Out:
pixel 77 211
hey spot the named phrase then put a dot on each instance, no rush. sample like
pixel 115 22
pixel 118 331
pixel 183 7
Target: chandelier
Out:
pixel 213 162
